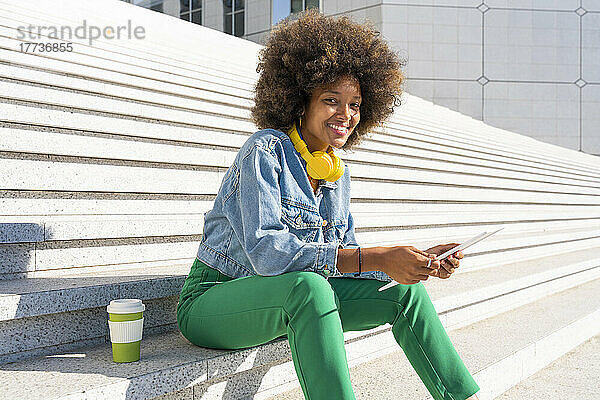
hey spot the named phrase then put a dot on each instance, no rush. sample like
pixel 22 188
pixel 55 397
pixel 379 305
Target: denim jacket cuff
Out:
pixel 347 246
pixel 327 259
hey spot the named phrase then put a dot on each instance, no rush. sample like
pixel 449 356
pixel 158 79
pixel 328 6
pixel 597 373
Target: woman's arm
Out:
pixel 404 264
pixel 347 259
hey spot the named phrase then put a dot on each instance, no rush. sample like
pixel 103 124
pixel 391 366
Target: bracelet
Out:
pixel 359 262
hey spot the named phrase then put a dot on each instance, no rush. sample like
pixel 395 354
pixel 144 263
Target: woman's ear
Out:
pixel 300 117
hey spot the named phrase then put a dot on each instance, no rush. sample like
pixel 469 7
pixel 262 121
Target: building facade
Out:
pixel 530 66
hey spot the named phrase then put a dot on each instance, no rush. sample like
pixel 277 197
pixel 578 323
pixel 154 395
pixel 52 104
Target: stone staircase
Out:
pixel 110 155
pixel 500 351
pixel 573 376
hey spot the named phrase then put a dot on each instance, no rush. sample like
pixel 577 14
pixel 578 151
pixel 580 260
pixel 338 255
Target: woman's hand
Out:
pixel 407 264
pixel 450 263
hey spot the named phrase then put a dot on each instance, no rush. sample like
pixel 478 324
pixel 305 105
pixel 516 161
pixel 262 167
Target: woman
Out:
pixel 278 255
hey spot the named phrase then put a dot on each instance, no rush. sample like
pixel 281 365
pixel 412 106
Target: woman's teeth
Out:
pixel 339 129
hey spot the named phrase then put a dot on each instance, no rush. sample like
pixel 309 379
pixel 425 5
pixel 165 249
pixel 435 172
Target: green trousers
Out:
pixel 314 312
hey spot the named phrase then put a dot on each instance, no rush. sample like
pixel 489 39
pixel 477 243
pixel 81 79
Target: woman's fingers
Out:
pixel 454 261
pixel 426 265
pixel 448 265
pixel 424 261
pixel 444 275
pixel 421 252
pixel 434 271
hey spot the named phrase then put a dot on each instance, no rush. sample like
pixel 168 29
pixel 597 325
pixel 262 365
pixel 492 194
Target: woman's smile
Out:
pixel 338 129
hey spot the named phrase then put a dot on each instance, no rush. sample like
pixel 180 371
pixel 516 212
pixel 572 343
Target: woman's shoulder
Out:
pixel 267 139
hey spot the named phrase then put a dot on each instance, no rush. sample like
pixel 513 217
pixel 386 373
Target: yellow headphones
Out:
pixel 319 164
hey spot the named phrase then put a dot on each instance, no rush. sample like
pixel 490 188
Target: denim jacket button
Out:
pixel 324 223
pixel 298 219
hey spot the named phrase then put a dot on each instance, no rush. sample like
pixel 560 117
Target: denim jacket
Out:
pixel 267 220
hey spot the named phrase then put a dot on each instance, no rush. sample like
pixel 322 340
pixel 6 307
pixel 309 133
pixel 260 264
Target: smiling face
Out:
pixel 331 114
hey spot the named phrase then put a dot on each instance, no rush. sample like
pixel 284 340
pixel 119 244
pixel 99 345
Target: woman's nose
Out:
pixel 345 110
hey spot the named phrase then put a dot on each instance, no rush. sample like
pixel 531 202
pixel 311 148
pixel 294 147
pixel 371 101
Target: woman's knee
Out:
pixel 409 295
pixel 415 303
pixel 418 290
pixel 311 288
pixel 310 281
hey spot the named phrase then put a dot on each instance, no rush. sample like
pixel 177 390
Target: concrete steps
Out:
pixel 572 376
pixel 69 335
pixel 112 153
pixel 68 311
pixel 504 350
pixel 43 316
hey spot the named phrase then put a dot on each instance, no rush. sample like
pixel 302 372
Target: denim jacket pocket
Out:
pixel 301 221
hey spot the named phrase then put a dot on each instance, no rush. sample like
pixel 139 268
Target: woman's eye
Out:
pixel 330 100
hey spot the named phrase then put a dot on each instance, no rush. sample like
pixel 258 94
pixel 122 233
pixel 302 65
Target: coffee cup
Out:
pixel 126 322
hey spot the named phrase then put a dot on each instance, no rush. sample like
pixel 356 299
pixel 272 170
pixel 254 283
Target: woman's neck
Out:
pixel 310 140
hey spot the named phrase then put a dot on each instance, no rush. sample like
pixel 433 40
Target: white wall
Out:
pixel 532 67
pixel 258 19
pixel 213 14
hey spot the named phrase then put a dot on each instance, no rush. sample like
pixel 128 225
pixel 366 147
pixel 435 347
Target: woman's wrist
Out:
pixel 372 258
pixel 348 259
